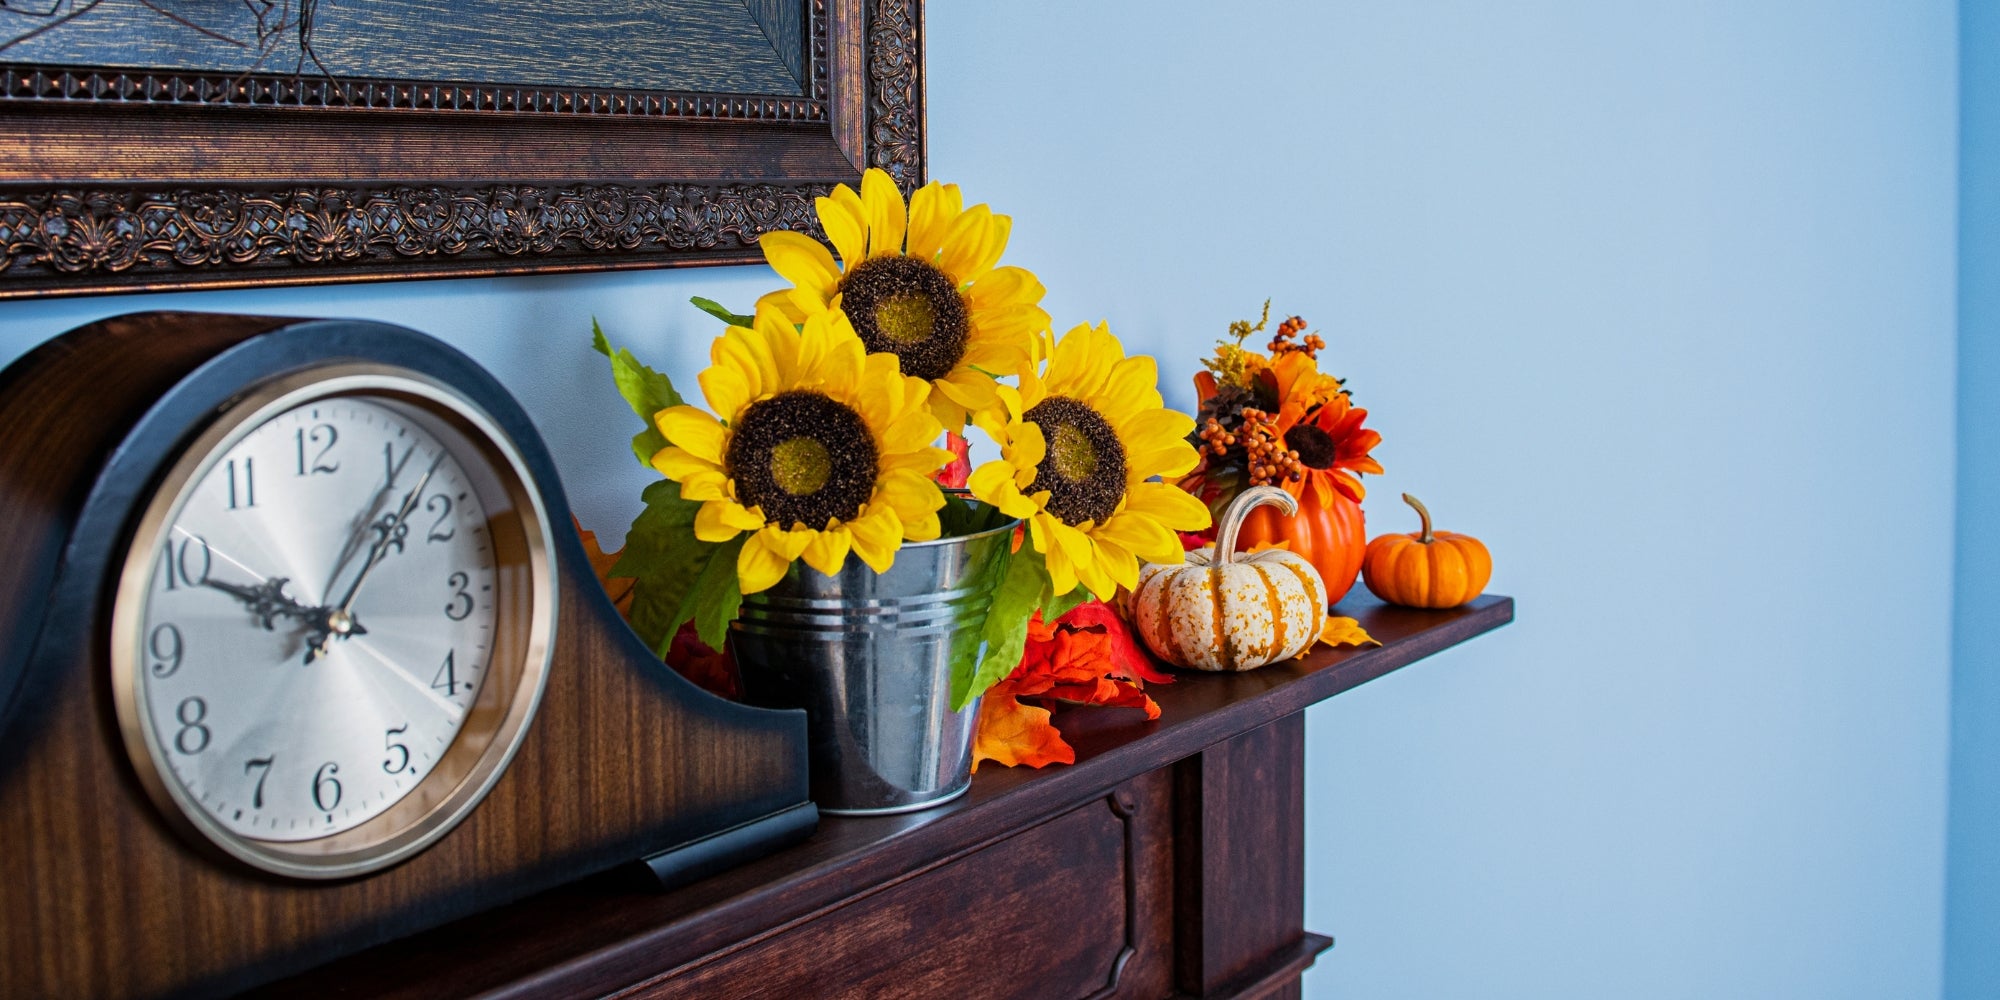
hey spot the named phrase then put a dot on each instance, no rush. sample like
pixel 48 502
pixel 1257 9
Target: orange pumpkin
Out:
pixel 1333 538
pixel 1427 569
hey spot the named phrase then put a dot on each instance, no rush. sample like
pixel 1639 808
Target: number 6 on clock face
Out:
pixel 333 623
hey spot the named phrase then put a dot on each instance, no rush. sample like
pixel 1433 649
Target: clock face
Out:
pixel 333 623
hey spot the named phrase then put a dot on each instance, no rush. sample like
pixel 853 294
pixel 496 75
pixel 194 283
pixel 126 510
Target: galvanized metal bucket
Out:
pixel 868 655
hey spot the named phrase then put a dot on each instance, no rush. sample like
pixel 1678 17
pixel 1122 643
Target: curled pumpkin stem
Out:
pixel 1425 537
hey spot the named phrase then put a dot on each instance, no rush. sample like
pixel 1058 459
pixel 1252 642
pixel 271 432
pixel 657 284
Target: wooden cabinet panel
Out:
pixel 1077 906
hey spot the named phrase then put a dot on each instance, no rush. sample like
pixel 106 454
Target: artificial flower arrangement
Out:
pixel 824 408
pixel 1276 419
pixel 821 431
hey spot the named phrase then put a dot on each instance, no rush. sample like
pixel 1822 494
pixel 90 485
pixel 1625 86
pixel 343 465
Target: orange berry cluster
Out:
pixel 1282 343
pixel 1266 458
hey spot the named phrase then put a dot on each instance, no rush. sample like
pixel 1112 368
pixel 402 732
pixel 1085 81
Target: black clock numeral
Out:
pixel 193 735
pixel 461 602
pixel 248 493
pixel 166 646
pixel 257 798
pixel 434 503
pixel 389 464
pixel 319 461
pixel 389 743
pixel 186 565
pixel 323 779
pixel 446 679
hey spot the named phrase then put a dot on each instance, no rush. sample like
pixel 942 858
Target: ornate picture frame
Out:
pixel 121 179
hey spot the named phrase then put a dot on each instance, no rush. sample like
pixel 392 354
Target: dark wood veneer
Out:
pixel 101 898
pixel 969 887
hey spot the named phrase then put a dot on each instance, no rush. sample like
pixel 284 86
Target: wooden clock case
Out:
pixel 104 898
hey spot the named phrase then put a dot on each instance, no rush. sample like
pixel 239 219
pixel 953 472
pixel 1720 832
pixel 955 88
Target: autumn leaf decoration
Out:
pixel 1087 657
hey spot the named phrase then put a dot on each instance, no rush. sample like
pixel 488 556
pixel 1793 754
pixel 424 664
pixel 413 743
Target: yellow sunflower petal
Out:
pixel 781 300
pixel 693 431
pixel 1005 286
pixel 828 550
pixel 967 388
pixel 1140 535
pixel 678 463
pixel 759 565
pixel 722 520
pixel 1095 574
pixel 1115 563
pixel 886 217
pixel 990 248
pixel 707 484
pixel 993 482
pixel 801 260
pixel 910 495
pixel 876 536
pixel 1170 505
pixel 965 243
pixel 846 228
pixel 932 210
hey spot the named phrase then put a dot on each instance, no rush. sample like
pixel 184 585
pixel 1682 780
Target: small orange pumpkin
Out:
pixel 1427 569
pixel 1333 538
pixel 1225 611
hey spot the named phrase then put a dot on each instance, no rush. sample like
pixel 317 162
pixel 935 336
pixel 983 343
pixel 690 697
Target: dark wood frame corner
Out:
pixel 117 180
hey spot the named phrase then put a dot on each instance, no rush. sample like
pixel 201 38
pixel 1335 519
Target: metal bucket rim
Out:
pixel 1010 525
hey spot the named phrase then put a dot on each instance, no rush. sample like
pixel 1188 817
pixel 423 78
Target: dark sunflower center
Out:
pixel 802 458
pixel 908 308
pixel 1315 446
pixel 1084 470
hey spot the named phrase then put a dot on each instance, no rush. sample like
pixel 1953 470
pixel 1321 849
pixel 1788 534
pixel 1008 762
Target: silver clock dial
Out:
pixel 319 620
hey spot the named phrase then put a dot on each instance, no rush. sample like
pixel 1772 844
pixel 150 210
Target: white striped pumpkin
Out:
pixel 1232 612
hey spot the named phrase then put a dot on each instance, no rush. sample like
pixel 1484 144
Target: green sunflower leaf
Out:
pixel 646 391
pixel 717 593
pixel 719 311
pixel 1059 605
pixel 1024 586
pixel 678 577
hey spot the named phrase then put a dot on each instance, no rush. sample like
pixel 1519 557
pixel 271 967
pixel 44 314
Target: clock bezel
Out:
pixel 517 671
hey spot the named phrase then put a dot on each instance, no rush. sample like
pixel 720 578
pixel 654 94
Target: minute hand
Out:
pixel 340 620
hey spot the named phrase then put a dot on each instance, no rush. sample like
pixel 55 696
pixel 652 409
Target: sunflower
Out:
pixel 1328 441
pixel 917 282
pixel 1079 447
pixel 821 448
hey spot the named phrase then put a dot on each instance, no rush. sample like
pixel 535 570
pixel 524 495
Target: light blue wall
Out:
pixel 1972 916
pixel 1656 297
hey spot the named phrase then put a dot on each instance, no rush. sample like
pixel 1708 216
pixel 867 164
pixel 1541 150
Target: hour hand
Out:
pixel 267 601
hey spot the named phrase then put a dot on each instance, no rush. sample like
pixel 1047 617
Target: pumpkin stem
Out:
pixel 1425 537
pixel 1239 508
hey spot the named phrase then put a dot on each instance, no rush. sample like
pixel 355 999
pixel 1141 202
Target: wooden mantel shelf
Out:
pixel 1190 882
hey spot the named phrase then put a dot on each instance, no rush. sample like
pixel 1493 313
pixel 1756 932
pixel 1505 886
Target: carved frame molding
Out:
pixel 108 188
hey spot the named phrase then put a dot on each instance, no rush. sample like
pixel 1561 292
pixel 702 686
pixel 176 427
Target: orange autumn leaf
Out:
pixel 1075 660
pixel 619 588
pixel 1011 733
pixel 1345 632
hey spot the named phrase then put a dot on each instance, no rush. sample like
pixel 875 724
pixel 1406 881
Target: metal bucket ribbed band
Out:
pixel 831 620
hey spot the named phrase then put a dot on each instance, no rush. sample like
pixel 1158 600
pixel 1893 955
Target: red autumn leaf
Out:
pixel 711 671
pixel 1132 660
pixel 955 473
